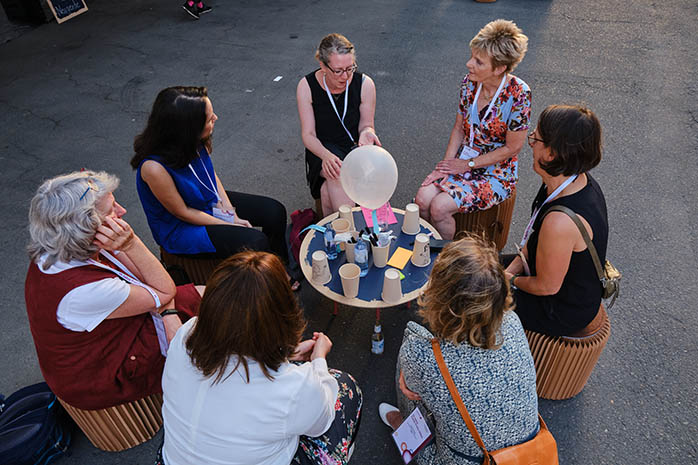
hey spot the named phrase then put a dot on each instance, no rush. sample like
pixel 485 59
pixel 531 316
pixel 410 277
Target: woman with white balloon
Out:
pixel 336 105
pixel 480 167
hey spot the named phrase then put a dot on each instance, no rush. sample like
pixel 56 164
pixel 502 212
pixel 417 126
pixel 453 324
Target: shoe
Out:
pixel 383 410
pixel 204 9
pixel 191 9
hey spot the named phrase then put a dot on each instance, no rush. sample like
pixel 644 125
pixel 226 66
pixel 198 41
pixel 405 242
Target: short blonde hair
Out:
pixel 333 43
pixel 467 294
pixel 503 42
pixel 63 216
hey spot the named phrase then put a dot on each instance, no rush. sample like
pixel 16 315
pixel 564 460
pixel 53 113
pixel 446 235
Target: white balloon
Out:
pixel 369 176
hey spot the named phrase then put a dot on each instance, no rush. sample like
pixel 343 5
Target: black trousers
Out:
pixel 261 211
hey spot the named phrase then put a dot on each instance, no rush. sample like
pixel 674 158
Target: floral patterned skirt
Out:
pixel 332 447
pixel 485 188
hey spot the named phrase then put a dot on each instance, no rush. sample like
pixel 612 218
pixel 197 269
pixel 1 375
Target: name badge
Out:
pixel 224 215
pixel 467 153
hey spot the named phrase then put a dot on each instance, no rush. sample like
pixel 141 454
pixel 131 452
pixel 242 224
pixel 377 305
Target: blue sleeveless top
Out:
pixel 171 233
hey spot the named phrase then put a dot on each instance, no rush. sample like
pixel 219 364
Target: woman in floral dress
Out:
pixel 479 169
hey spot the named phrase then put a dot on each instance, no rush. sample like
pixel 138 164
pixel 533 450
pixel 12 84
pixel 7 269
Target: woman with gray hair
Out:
pixel 101 307
pixel 336 105
pixel 480 167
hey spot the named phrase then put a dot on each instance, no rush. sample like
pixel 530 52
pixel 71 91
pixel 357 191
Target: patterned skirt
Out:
pixel 334 446
pixel 486 187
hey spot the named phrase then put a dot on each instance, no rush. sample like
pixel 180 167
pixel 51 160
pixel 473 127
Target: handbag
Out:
pixel 34 428
pixel 541 450
pixel 609 274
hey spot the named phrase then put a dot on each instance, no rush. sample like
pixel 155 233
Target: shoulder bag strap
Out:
pixel 457 399
pixel 585 235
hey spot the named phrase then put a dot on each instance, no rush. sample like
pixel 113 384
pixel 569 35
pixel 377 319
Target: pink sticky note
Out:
pixel 385 215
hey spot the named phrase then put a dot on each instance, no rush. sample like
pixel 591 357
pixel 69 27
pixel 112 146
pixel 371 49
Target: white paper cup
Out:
pixel 420 253
pixel 345 212
pixel 349 273
pixel 410 224
pixel 349 248
pixel 321 269
pixel 341 225
pixel 380 255
pixel 392 289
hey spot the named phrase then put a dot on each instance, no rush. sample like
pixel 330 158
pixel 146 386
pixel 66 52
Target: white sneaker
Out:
pixel 383 410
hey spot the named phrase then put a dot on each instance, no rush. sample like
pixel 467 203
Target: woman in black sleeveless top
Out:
pixel 336 107
pixel 562 295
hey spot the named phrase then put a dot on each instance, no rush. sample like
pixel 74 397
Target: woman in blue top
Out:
pixel 188 210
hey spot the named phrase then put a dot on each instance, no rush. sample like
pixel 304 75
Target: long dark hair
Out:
pixel 174 127
pixel 247 312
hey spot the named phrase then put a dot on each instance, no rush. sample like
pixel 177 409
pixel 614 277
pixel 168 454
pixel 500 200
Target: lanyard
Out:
pixel 473 107
pixel 529 228
pixel 214 190
pixel 127 276
pixel 334 107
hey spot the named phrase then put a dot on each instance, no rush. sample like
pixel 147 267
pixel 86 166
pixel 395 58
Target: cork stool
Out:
pixel 493 223
pixel 121 427
pixel 564 364
pixel 198 269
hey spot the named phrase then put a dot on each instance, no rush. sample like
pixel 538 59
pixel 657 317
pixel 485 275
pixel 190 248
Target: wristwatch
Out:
pixel 471 163
pixel 511 282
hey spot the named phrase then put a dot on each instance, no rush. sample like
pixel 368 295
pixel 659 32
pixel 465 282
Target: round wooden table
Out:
pixel 371 285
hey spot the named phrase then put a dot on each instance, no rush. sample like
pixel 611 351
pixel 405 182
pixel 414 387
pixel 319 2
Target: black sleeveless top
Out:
pixel 578 300
pixel 328 127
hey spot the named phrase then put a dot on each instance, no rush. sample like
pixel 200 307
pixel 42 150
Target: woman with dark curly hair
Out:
pixel 467 307
pixel 241 387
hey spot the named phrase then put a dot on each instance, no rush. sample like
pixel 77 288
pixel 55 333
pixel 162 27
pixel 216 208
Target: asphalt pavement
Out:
pixel 74 95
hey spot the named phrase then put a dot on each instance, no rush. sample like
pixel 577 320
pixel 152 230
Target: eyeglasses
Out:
pixel 533 139
pixel 90 185
pixel 339 72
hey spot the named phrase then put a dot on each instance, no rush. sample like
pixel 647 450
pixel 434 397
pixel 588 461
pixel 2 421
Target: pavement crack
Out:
pixel 27 111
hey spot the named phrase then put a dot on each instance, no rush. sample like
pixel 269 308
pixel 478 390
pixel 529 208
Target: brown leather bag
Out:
pixel 541 450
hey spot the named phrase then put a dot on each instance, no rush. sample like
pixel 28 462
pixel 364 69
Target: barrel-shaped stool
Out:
pixel 564 364
pixel 121 427
pixel 492 224
pixel 198 269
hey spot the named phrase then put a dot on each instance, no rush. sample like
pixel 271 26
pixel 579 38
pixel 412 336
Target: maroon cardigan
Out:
pixel 117 362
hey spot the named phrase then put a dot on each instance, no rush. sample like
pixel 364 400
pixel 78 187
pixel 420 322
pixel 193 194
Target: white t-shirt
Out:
pixel 233 422
pixel 86 306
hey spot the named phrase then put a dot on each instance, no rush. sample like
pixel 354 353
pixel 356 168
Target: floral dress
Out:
pixel 493 184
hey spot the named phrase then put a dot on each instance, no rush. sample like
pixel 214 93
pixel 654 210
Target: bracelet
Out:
pixel 169 311
pixel 511 282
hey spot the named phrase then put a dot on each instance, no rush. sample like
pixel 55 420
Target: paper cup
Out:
pixel 321 269
pixel 420 253
pixel 345 212
pixel 341 225
pixel 380 255
pixel 392 289
pixel 410 224
pixel 349 248
pixel 349 273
